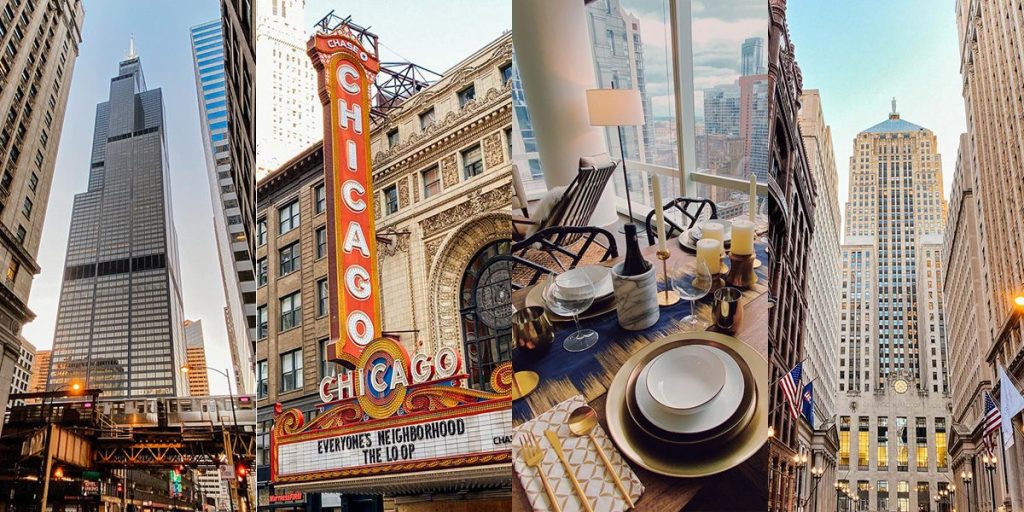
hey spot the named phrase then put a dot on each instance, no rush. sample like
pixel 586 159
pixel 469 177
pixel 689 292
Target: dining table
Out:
pixel 559 382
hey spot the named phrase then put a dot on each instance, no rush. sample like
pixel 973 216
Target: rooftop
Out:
pixel 894 125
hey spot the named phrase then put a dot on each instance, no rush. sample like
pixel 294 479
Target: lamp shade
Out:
pixel 615 107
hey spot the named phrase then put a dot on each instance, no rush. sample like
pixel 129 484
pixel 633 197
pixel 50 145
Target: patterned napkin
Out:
pixel 590 471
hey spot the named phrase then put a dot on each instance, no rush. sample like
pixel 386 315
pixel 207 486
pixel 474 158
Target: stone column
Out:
pixel 556 66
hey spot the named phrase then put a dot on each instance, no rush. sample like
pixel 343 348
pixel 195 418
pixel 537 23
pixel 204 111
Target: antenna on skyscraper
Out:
pixel 131 47
pixel 894 104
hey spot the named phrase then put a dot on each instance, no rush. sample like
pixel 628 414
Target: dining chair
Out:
pixel 691 209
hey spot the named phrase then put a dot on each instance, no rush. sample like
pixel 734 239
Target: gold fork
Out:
pixel 533 454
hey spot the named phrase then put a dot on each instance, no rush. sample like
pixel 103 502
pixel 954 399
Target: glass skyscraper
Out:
pixel 232 246
pixel 119 320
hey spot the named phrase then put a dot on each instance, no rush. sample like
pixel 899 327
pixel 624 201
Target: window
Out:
pixel 288 217
pixel 261 379
pixel 261 272
pixel 321 242
pixel 322 307
pixel 426 118
pixel 941 458
pixel 883 495
pixel 844 441
pixel 12 271
pixel 610 38
pixel 21 234
pixel 921 429
pixel 506 73
pixel 431 182
pixel 883 443
pixel 485 347
pixel 291 370
pixel 902 455
pixel 291 311
pixel 261 232
pixel 26 208
pixel 262 321
pixel 320 195
pixel 33 182
pixel 467 95
pixel 472 162
pixel 391 199
pixel 327 368
pixel 290 259
pixel 862 442
pixel 393 138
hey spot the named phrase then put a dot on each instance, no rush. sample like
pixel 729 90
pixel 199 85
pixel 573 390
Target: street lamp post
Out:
pixel 799 460
pixel 816 473
pixel 952 497
pixel 967 477
pixel 234 419
pixel 990 462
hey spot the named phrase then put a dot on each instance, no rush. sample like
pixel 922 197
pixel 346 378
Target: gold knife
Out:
pixel 557 445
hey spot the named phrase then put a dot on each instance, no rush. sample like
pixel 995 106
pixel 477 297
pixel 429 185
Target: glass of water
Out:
pixel 569 294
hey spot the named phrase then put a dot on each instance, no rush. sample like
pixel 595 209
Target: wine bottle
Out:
pixel 635 264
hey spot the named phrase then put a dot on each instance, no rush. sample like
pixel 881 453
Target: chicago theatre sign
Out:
pixel 388 415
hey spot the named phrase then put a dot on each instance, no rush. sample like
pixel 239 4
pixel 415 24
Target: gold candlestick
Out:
pixel 668 297
pixel 741 274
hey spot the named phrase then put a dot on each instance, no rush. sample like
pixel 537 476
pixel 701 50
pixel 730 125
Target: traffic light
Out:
pixel 241 471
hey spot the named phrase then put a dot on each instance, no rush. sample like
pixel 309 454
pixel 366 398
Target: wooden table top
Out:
pixel 664 494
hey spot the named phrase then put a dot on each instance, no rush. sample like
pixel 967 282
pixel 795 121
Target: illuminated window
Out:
pixel 941 459
pixel 883 495
pixel 863 494
pixel 883 443
pixel 902 456
pixel 862 442
pixel 923 494
pixel 921 438
pixel 12 271
pixel 844 441
pixel 902 491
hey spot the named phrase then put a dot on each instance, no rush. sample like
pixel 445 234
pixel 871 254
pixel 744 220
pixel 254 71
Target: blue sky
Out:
pixel 861 53
pixel 162 41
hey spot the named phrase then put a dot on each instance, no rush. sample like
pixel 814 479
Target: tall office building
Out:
pixel 22 377
pixel 236 265
pixel 821 338
pixel 752 57
pixel 40 371
pixel 40 41
pixel 119 319
pixel 238 20
pixel 288 114
pixel 894 398
pixel 992 64
pixel 195 348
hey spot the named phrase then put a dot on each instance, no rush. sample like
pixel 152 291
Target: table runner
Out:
pixel 564 374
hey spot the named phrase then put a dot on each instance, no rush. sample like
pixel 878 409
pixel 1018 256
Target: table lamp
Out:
pixel 618 108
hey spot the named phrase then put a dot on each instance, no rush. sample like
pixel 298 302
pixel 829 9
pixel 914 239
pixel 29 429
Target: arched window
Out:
pixel 486 337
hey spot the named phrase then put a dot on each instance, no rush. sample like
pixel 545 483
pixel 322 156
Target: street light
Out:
pixel 799 460
pixel 967 477
pixel 816 473
pixel 44 466
pixel 990 462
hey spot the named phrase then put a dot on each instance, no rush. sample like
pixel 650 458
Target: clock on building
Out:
pixel 900 386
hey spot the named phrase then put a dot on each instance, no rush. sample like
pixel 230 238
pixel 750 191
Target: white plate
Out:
pixel 714 414
pixel 685 379
pixel 602 278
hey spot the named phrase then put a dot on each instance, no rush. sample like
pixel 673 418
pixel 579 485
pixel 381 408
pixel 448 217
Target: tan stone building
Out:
pixel 442 192
pixel 195 353
pixel 40 370
pixel 992 69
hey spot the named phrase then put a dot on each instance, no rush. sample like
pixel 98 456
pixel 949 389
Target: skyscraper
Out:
pixel 239 72
pixel 119 319
pixel 195 347
pixel 289 117
pixel 752 57
pixel 893 383
pixel 40 41
pixel 236 264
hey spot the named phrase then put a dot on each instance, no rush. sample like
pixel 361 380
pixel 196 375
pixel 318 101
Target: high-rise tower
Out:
pixel 195 347
pixel 236 263
pixel 752 58
pixel 894 396
pixel 119 320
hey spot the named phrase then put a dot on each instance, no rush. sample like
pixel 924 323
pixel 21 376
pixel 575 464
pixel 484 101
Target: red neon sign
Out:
pixel 346 72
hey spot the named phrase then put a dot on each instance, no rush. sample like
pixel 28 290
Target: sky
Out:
pixel 719 29
pixel 435 34
pixel 161 32
pixel 861 53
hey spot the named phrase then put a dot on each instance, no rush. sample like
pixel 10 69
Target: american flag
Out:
pixel 992 421
pixel 789 384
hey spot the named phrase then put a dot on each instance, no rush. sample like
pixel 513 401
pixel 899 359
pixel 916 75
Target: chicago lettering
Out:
pixel 422 368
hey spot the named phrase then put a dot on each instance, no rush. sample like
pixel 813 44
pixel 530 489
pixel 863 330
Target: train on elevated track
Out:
pixel 174 412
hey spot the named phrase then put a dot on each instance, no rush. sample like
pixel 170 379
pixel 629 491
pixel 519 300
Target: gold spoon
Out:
pixel 581 422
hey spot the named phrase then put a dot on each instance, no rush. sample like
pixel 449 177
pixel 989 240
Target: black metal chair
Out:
pixel 691 209
pixel 568 224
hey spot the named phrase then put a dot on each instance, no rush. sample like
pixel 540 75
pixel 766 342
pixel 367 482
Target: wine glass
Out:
pixel 569 294
pixel 693 286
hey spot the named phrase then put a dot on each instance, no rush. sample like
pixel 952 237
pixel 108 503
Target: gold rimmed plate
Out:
pixel 689 461
pixel 729 429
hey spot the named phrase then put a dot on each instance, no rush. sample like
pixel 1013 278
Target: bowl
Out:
pixel 683 380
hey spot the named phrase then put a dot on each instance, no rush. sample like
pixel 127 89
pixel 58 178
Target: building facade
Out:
pixel 752 57
pixel 239 19
pixel 22 377
pixel 894 398
pixel 791 207
pixel 992 68
pixel 289 118
pixel 119 319
pixel 40 371
pixel 236 263
pixel 195 352
pixel 41 45
pixel 442 189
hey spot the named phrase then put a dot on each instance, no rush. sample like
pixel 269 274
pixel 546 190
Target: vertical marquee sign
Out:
pixel 345 72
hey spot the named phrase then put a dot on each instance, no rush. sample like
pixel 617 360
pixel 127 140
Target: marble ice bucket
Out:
pixel 636 298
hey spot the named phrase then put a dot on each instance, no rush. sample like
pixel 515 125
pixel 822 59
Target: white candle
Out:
pixel 659 214
pixel 709 252
pixel 742 237
pixel 714 231
pixel 753 196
